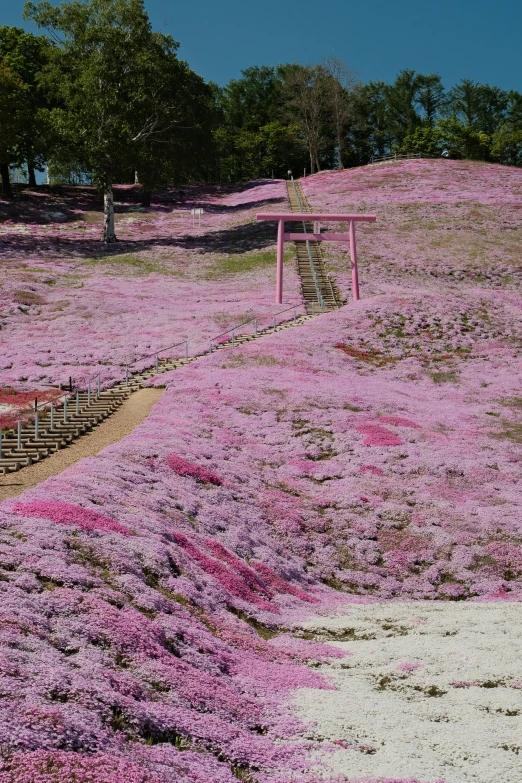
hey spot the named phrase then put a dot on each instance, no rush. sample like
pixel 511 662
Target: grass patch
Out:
pixel 132 264
pixel 370 356
pixel 27 298
pixel 450 376
pixel 512 430
pixel 240 360
pixel 262 630
pixel 244 262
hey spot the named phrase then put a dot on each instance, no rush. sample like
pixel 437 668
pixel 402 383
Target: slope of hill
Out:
pixel 440 220
pixel 152 597
pixel 71 307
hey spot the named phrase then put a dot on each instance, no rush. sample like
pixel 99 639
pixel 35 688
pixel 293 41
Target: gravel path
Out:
pixel 432 691
pixel 131 413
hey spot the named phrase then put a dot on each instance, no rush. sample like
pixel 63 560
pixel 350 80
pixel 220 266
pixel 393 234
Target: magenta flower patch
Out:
pixel 281 585
pixel 230 581
pixel 371 469
pixel 69 514
pixel 378 436
pixel 56 766
pixel 185 468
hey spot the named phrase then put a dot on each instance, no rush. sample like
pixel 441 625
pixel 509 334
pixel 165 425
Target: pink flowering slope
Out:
pixel 453 222
pixel 149 595
pixel 71 307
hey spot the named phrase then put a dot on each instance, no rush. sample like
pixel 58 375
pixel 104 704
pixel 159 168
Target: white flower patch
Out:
pixel 432 691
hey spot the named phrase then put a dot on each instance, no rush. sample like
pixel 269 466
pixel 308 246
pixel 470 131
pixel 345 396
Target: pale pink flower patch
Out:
pixel 408 667
pixel 398 421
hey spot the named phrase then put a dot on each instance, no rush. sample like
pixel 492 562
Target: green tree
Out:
pixel 255 138
pixel 369 133
pixel 27 55
pixel 506 146
pixel 341 84
pixel 112 76
pixel 430 97
pixel 478 106
pixel 254 100
pixel 14 113
pixel 306 96
pixel 425 141
pixel 462 141
pixel 401 106
pixel 182 152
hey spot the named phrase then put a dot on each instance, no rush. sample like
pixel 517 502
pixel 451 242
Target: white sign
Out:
pixel 317 227
pixel 197 212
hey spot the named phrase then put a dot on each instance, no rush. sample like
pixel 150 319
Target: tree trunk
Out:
pixel 145 198
pixel 7 191
pixel 340 163
pixel 109 235
pixel 32 175
pixel 312 167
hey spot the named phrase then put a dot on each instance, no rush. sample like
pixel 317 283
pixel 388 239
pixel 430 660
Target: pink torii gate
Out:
pixel 317 218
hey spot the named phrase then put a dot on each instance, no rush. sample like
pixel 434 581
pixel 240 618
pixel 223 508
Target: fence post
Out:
pixel 255 326
pixel 77 402
pixel 127 376
pixel 210 347
pixel 157 363
pixel 65 410
pixel 89 393
pixel 295 315
pixel 1 455
pixel 36 426
pixel 186 349
pixel 313 308
pixel 99 387
pixel 52 415
pixel 19 436
pixel 233 336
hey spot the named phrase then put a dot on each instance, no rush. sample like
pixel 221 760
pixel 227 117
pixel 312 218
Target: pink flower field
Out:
pixel 153 596
pixel 72 308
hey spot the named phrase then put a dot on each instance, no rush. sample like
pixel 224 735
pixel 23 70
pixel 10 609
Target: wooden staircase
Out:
pixel 85 410
pixel 319 290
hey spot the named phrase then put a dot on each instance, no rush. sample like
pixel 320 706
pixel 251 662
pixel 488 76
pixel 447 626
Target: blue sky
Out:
pixel 456 38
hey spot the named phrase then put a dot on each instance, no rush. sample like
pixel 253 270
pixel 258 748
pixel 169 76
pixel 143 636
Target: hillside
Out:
pixel 154 596
pixel 71 307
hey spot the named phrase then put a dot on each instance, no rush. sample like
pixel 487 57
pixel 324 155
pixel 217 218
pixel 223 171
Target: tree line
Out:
pixel 322 117
pixel 100 95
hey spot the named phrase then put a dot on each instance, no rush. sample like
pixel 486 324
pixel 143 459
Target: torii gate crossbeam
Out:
pixel 317 218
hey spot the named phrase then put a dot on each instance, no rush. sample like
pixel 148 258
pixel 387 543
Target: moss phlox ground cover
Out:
pixel 152 597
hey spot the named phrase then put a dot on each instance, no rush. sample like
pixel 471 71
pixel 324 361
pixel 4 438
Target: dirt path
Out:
pixel 118 426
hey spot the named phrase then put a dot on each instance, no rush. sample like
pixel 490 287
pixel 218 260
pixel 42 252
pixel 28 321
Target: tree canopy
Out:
pixel 101 94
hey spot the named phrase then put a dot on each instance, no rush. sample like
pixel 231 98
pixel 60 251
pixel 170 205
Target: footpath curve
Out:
pixel 57 429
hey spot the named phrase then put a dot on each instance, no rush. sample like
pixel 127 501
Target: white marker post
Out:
pixel 195 212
